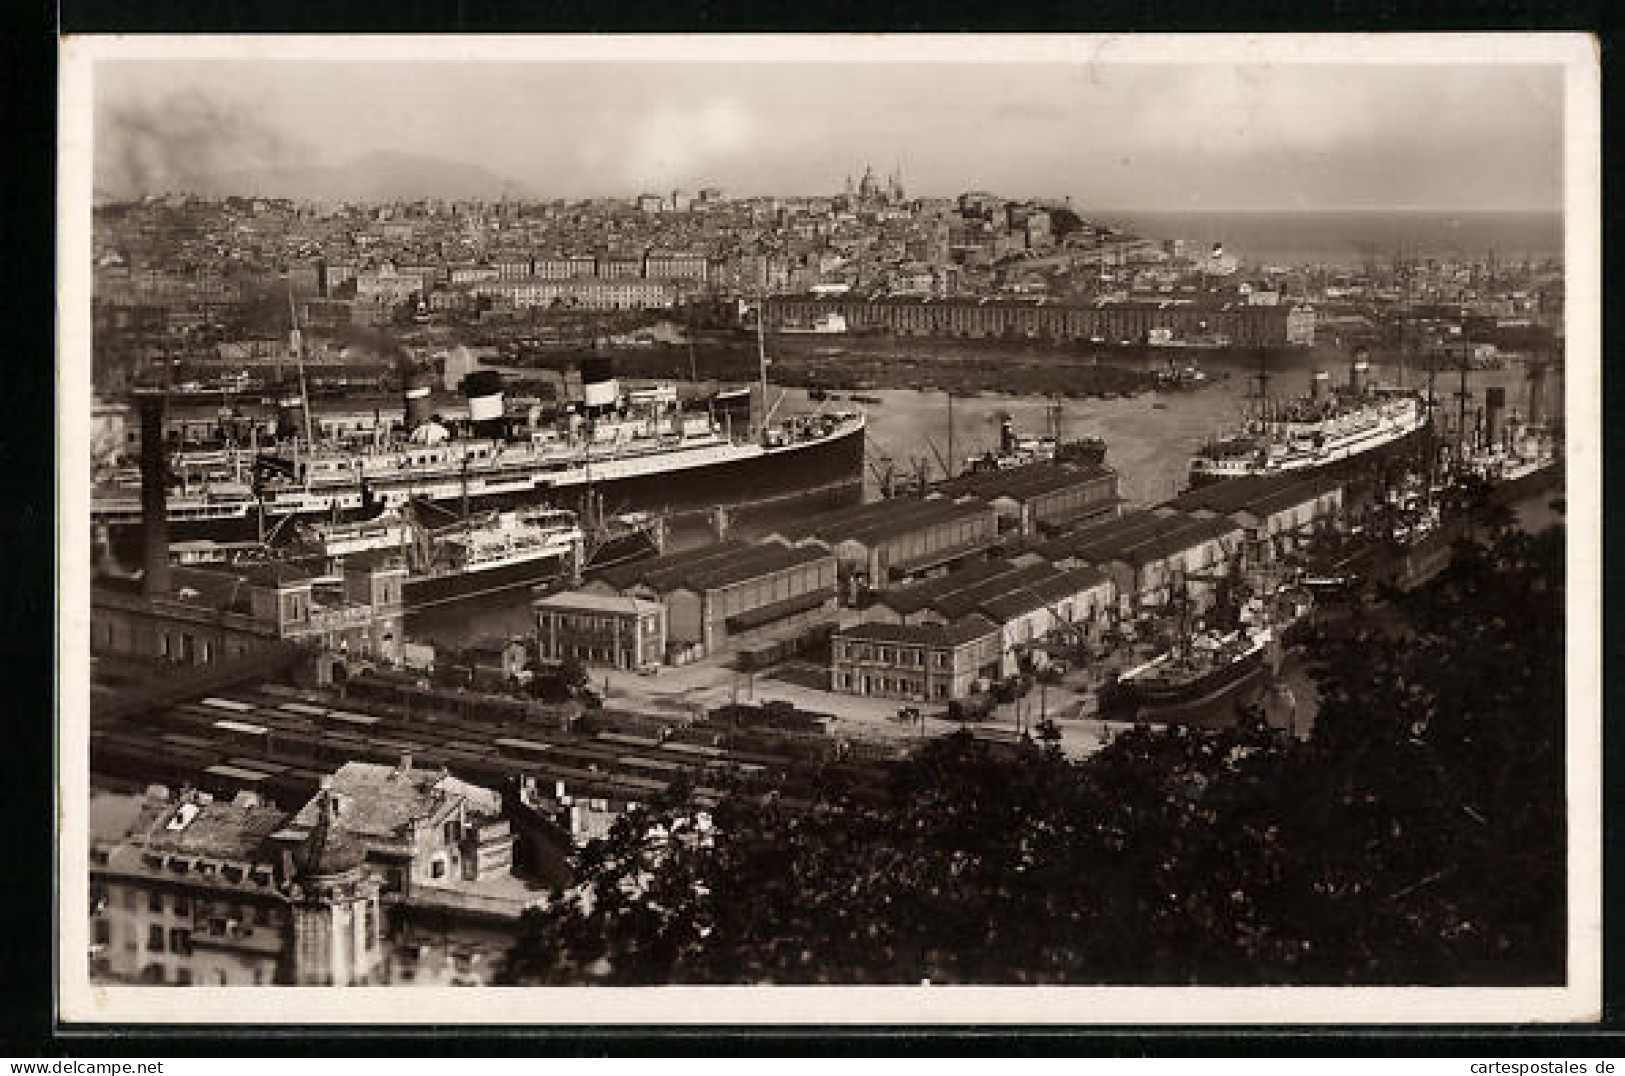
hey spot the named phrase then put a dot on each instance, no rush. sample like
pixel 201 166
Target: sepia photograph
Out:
pixel 937 529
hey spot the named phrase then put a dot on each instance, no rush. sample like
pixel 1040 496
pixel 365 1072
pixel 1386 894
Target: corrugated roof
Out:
pixel 656 570
pixel 763 560
pixel 584 599
pixel 871 523
pixel 1022 483
pixel 964 630
pixel 1141 537
pixel 1042 593
pixel 972 599
pixel 916 596
pixel 1253 492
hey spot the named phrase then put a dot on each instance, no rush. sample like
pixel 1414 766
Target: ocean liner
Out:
pixel 1326 427
pixel 631 450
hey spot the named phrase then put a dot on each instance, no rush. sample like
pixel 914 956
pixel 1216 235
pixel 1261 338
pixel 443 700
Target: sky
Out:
pixel 1114 136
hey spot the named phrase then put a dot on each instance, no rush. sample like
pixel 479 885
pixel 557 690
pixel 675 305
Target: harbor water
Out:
pixel 1149 437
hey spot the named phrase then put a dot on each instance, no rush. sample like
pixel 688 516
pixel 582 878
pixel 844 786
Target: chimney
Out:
pixel 1320 385
pixel 405 768
pixel 154 496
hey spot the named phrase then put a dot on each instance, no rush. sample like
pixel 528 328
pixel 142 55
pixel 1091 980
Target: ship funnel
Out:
pixel 1359 375
pixel 599 389
pixel 1537 393
pixel 419 407
pixel 484 391
pixel 1320 385
pixel 290 416
pixel 154 497
pixel 1495 404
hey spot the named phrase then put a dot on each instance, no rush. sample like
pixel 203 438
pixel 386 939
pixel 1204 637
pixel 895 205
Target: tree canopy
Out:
pixel 1416 838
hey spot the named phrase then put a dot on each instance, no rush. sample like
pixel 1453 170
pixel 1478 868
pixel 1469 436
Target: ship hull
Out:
pixel 1407 442
pixel 1545 477
pixel 1131 700
pixel 430 591
pixel 829 471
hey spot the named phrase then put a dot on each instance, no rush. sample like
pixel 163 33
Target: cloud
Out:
pixel 676 143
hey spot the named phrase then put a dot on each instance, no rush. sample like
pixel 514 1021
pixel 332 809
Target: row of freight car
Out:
pixel 279 742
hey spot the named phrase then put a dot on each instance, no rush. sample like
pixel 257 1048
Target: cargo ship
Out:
pixel 636 450
pixel 1326 427
pixel 1015 450
pixel 1516 456
pixel 468 558
pixel 1201 672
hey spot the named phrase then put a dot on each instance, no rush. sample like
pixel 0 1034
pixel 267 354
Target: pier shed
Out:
pixel 912 602
pixel 729 592
pixel 1151 557
pixel 1276 513
pixel 1064 606
pixel 891 542
pixel 1041 497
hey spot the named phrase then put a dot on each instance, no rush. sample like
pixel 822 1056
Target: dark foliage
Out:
pixel 1418 838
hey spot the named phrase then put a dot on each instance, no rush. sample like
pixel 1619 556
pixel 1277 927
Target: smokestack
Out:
pixel 290 416
pixel 1537 393
pixel 483 388
pixel 1007 435
pixel 1359 375
pixel 599 389
pixel 154 496
pixel 1495 403
pixel 1320 385
pixel 101 548
pixel 419 408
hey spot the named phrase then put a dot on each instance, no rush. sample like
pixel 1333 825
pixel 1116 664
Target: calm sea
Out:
pixel 1150 439
pixel 1351 237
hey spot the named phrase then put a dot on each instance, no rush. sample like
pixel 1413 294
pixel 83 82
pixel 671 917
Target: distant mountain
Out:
pixel 380 176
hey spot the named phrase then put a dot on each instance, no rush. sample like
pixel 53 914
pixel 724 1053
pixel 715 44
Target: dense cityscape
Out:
pixel 860 587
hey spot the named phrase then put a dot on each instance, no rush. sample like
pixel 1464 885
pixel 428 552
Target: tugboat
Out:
pixel 1017 451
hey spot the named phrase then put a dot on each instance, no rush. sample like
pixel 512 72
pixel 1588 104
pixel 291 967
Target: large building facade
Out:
pixel 924 662
pixel 1103 321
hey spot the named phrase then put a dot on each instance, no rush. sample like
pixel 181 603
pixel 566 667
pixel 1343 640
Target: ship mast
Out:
pixel 1462 396
pixel 761 356
pixel 1263 379
pixel 296 347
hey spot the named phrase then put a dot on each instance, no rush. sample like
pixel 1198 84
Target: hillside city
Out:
pixel 563 592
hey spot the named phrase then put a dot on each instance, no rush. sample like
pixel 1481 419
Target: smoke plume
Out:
pixel 184 142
